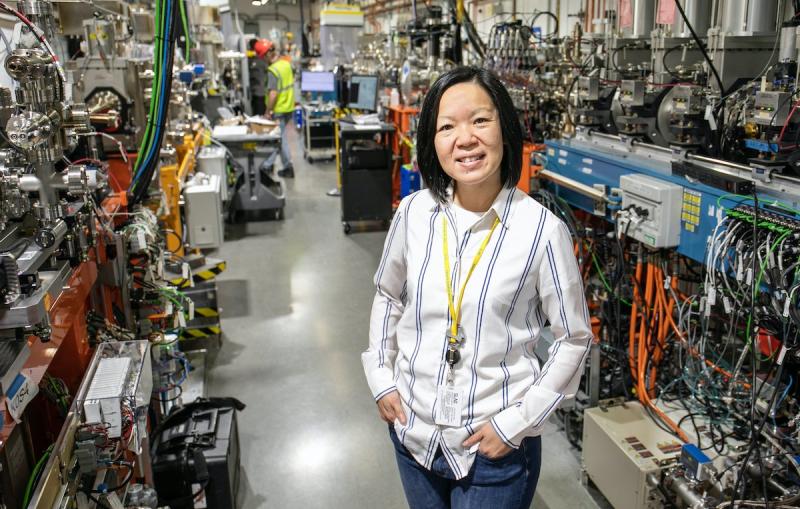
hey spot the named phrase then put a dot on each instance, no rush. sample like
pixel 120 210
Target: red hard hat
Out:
pixel 262 47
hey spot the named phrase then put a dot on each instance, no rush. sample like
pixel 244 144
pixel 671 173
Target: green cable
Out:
pixel 173 299
pixel 146 143
pixel 603 278
pixel 36 469
pixel 174 293
pixel 156 72
pixel 185 28
pixel 729 195
pixel 158 75
pixel 774 203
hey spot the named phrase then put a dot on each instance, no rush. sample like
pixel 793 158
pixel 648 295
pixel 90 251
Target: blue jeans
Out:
pixel 505 483
pixel 285 120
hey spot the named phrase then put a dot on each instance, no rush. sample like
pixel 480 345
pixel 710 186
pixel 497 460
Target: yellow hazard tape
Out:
pixel 207 274
pixel 202 332
pixel 199 277
pixel 206 312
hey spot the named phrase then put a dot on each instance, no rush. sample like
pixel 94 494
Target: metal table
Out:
pixel 256 188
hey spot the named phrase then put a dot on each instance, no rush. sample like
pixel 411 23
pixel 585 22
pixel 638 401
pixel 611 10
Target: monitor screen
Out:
pixel 363 92
pixel 312 81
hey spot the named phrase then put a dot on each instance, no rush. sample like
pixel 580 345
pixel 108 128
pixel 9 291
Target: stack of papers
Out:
pixel 371 118
pixel 229 130
pixel 259 120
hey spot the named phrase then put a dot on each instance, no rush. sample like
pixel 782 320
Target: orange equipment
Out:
pixel 529 170
pixel 401 117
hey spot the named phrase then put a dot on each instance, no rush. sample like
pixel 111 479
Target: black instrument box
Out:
pixel 201 443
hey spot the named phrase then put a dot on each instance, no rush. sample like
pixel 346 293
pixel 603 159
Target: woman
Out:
pixel 472 269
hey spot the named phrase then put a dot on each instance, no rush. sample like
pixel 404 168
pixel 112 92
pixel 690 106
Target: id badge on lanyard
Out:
pixel 449 398
pixel 449 405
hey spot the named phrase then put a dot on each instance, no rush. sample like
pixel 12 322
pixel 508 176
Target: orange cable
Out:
pixel 644 330
pixel 632 327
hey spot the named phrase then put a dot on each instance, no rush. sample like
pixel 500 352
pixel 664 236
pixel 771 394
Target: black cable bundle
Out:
pixel 472 33
pixel 148 159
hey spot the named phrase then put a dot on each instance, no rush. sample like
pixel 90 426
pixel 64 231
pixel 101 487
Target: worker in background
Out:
pixel 280 103
pixel 257 66
pixel 457 381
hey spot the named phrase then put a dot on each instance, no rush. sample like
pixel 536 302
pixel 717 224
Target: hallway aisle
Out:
pixel 296 297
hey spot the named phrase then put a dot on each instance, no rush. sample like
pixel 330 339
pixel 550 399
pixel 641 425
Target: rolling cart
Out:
pixel 318 133
pixel 365 167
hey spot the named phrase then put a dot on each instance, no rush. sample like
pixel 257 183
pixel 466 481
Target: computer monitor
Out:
pixel 313 81
pixel 363 92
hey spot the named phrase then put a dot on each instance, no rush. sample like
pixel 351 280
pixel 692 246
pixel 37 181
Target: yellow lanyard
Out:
pixel 455 311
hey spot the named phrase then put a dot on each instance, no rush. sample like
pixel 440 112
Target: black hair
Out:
pixel 510 167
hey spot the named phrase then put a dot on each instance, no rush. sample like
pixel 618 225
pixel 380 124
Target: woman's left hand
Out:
pixel 491 445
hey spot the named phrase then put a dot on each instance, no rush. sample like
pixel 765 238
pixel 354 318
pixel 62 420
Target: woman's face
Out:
pixel 469 142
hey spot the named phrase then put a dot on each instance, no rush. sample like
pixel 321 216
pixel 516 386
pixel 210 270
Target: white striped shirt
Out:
pixel 527 276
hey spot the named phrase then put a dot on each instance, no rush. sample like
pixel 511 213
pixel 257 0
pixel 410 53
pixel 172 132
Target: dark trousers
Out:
pixel 258 104
pixel 504 483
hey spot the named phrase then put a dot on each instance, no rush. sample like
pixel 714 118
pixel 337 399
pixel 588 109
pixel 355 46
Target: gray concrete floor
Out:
pixel 296 297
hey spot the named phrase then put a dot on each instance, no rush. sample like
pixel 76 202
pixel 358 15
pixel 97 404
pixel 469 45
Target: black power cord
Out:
pixel 552 34
pixel 755 431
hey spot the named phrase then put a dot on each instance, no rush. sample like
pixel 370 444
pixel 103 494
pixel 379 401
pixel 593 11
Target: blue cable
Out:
pixel 780 402
pixel 785 392
pixel 160 112
pixel 148 156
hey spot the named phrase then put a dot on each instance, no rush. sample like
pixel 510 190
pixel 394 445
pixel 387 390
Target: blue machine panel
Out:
pixel 761 145
pixel 700 210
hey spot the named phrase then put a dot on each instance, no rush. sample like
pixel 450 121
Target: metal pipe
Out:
pixel 32 184
pixel 574 185
pixel 637 143
pixel 587 14
pixel 643 17
pixel 788 47
pixel 755 472
pixel 685 492
pixel 709 160
pixel 558 15
pixel 748 17
pixel 715 10
pixel 303 49
pixel 106 119
pixel 699 15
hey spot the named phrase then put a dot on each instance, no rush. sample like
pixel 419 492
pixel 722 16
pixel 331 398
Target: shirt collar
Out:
pixel 501 207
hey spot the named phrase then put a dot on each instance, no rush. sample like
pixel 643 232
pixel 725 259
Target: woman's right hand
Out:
pixel 391 408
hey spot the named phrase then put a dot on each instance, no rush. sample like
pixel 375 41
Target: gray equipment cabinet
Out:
pixel 256 188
